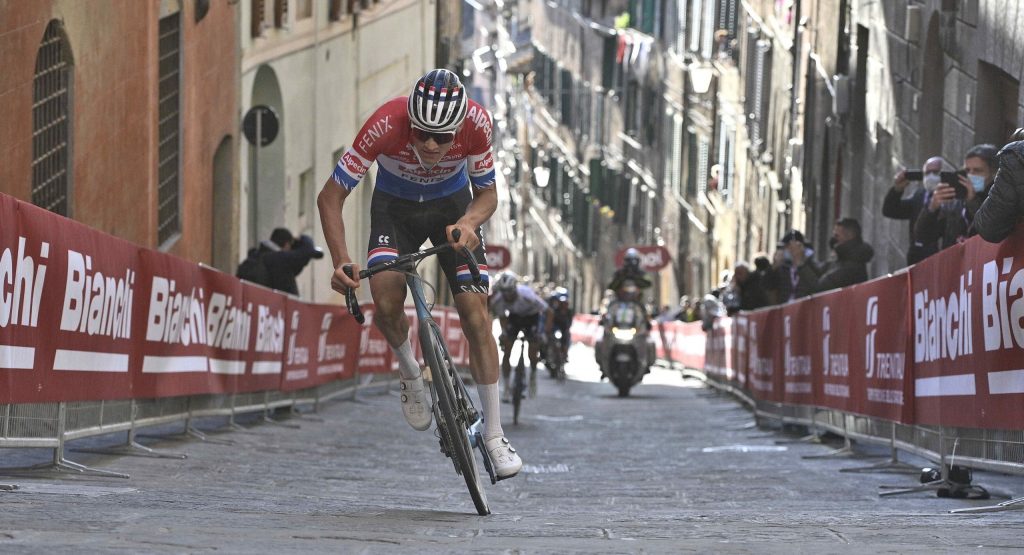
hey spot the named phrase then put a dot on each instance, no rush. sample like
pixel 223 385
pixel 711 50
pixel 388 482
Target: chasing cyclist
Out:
pixel 435 175
pixel 562 315
pixel 519 309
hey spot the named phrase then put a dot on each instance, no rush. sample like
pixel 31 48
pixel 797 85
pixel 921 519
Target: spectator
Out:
pixel 797 274
pixel 767 279
pixel 852 255
pixel 747 293
pixel 948 217
pixel 276 262
pixel 904 202
pixel 1004 206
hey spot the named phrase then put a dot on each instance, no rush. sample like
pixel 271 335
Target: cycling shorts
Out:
pixel 400 226
pixel 528 324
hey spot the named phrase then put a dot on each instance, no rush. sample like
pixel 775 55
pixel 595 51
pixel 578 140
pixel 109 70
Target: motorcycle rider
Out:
pixel 628 283
pixel 519 309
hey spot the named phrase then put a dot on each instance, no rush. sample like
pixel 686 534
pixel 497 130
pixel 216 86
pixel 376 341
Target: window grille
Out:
pixel 169 125
pixel 280 13
pixel 702 165
pixel 51 101
pixel 256 20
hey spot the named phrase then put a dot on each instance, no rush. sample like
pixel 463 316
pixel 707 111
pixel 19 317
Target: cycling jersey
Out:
pixel 527 303
pixel 386 138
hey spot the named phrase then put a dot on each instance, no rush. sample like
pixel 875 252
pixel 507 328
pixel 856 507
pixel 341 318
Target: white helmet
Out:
pixel 438 102
pixel 507 281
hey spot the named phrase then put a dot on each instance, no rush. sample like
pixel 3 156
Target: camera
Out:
pixel 914 175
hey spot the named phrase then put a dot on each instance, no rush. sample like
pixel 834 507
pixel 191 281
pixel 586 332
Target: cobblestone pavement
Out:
pixel 673 468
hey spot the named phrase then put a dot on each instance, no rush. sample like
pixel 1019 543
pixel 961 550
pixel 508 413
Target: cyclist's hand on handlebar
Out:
pixel 340 281
pixel 467 237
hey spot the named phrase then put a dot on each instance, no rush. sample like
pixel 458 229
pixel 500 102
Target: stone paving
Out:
pixel 674 468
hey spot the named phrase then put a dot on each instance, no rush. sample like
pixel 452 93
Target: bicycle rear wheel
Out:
pixel 518 387
pixel 453 422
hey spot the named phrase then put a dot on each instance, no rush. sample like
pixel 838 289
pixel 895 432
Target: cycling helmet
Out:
pixel 438 102
pixel 631 258
pixel 507 281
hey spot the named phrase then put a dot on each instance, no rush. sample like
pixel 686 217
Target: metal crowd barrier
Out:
pixel 53 425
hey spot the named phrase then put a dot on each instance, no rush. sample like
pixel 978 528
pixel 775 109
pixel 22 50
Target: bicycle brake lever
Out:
pixel 474 269
pixel 350 299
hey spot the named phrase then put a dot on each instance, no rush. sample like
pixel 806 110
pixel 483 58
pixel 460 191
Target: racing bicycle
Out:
pixel 459 425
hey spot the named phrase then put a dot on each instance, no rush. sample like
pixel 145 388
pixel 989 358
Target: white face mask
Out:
pixel 931 181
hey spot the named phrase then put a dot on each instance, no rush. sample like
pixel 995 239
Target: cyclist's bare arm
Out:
pixel 484 203
pixel 330 202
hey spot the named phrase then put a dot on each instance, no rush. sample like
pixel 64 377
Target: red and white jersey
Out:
pixel 387 139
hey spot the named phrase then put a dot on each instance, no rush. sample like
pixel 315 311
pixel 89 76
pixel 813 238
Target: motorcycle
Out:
pixel 625 354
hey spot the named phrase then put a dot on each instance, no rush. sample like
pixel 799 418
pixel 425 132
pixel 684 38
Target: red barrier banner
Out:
pixel 68 308
pixel 801 347
pixel 686 343
pixel 374 353
pixel 719 354
pixel 322 344
pixel 586 329
pixel 968 335
pixel 764 366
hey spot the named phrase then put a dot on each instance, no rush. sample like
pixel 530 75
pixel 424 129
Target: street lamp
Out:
pixel 700 77
pixel 541 175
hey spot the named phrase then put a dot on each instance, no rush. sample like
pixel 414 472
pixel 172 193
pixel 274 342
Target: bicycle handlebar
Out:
pixel 350 296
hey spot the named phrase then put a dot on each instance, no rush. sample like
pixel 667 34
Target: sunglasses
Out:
pixel 439 138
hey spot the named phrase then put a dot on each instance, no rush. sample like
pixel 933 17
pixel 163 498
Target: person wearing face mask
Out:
pixel 905 202
pixel 947 218
pixel 1004 206
pixel 852 255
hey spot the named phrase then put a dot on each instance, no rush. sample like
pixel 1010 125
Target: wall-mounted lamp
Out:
pixel 700 77
pixel 541 175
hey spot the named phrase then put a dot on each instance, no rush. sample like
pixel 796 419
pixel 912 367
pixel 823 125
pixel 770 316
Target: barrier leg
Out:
pixel 1011 505
pixel 294 409
pixel 845 451
pixel 893 465
pixel 266 414
pixel 60 463
pixel 943 487
pixel 812 437
pixel 131 447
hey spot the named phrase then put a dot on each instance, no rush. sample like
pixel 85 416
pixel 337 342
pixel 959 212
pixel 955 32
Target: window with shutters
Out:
pixel 280 13
pixel 726 158
pixel 334 11
pixel 675 157
pixel 726 27
pixel 707 34
pixel 694 25
pixel 303 9
pixel 168 129
pixel 703 154
pixel 257 17
pixel 692 158
pixel 758 94
pixel 51 113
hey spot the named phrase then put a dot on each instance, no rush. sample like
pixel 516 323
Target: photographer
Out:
pixel 1004 206
pixel 276 262
pixel 905 201
pixel 951 208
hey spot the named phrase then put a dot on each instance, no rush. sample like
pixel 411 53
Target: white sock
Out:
pixel 492 410
pixel 407 365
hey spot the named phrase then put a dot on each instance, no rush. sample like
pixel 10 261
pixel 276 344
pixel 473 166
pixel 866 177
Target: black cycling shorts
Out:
pixel 400 226
pixel 527 324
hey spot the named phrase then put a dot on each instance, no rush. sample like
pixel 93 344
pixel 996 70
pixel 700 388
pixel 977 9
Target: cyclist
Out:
pixel 562 315
pixel 435 175
pixel 519 309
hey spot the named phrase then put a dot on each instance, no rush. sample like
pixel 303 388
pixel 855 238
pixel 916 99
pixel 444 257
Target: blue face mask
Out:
pixel 978 182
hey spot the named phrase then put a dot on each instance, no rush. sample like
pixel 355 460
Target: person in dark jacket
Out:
pixel 1004 206
pixel 904 201
pixel 285 257
pixel 947 218
pixel 852 256
pixel 797 275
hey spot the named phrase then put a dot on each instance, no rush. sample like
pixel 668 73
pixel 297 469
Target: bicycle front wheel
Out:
pixel 453 421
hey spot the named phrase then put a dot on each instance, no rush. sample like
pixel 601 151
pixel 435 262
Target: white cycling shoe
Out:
pixel 414 403
pixel 504 457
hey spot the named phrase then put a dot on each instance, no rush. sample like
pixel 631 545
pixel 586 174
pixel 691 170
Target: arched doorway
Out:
pixel 266 194
pixel 222 252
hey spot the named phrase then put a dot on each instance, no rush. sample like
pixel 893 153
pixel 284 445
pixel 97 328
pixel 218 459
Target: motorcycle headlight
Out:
pixel 624 334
